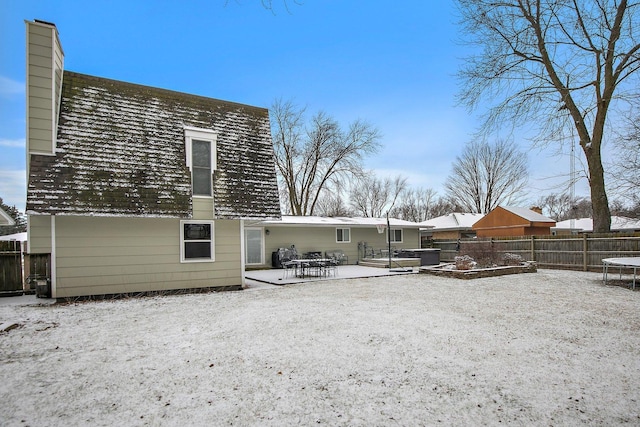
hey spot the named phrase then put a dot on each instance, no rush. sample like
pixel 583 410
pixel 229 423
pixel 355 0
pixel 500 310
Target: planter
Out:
pixel 449 270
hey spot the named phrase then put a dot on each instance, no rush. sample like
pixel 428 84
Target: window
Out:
pixel 396 235
pixel 200 147
pixel 343 235
pixel 196 238
pixel 254 245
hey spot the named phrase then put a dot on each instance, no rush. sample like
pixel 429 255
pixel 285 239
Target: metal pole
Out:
pixel 389 240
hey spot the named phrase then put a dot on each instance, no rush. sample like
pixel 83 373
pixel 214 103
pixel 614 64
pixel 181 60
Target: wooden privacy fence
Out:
pixel 11 278
pixel 580 252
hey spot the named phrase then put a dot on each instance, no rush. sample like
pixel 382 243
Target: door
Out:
pixel 254 246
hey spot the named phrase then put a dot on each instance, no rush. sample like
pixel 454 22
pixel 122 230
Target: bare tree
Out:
pixel 487 175
pixel 268 4
pixel 625 170
pixel 562 206
pixel 332 202
pixel 629 209
pixel 309 157
pixel 556 64
pixel 445 206
pixel 373 197
pixel 415 204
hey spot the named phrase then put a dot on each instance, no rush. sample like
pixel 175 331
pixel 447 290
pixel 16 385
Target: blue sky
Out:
pixel 391 64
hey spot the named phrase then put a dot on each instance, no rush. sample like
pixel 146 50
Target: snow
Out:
pixel 618 223
pixel 338 221
pixel 545 348
pixel 20 237
pixel 453 221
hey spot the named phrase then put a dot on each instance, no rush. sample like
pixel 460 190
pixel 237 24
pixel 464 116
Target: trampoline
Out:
pixel 628 262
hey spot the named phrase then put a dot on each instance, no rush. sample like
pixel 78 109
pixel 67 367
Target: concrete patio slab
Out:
pixel 276 276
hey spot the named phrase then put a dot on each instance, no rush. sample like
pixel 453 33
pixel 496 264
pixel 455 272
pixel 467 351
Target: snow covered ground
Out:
pixel 546 348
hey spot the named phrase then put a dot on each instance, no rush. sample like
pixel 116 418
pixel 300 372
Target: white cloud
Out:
pixel 12 143
pixel 13 188
pixel 11 87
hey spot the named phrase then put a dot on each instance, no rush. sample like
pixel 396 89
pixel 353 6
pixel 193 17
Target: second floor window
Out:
pixel 201 169
pixel 200 147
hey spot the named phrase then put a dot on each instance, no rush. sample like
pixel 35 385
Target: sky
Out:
pixel 392 65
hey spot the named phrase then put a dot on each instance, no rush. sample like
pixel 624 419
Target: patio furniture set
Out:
pixel 312 264
pixel 310 267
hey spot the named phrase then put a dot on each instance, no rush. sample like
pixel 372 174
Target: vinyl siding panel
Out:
pixel 41 29
pixel 41 82
pixel 40 93
pixel 39 234
pixel 97 256
pixel 40 51
pixel 38 113
pixel 202 208
pixel 40 66
pixel 40 36
pixel 42 125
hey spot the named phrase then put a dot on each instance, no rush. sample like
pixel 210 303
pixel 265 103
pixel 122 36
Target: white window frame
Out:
pixel 343 228
pixel 183 241
pixel 191 134
pixel 393 231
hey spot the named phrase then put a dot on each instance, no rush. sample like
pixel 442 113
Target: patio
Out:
pixel 276 276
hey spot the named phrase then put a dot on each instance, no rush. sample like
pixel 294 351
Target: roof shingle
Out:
pixel 121 152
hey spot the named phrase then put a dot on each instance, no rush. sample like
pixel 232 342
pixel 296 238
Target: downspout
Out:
pixel 242 251
pixel 53 257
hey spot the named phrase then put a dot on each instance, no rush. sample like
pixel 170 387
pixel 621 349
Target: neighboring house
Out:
pixel 6 219
pixel 136 189
pixel 18 237
pixel 513 221
pixel 357 238
pixel 450 227
pixel 619 224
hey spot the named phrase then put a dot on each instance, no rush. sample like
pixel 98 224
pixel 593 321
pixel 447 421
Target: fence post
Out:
pixel 533 248
pixel 585 253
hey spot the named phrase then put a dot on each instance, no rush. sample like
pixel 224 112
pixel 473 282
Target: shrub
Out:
pixel 511 259
pixel 464 262
pixel 484 252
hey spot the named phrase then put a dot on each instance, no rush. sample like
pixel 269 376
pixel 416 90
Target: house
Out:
pixel 356 238
pixel 450 227
pixel 513 221
pixel 619 224
pixel 135 189
pixel 6 219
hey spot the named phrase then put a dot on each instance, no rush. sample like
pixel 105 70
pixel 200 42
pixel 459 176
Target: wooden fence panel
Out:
pixel 11 278
pixel 583 252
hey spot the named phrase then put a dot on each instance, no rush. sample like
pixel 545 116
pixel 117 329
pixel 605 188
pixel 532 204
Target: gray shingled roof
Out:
pixel 121 152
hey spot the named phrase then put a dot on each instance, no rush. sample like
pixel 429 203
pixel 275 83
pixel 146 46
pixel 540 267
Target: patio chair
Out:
pixel 288 267
pixel 331 267
pixel 338 255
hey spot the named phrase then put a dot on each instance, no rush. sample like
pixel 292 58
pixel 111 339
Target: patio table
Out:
pixel 305 266
pixel 627 262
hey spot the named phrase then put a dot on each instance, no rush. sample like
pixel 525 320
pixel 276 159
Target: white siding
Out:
pixel 39 233
pixel 203 208
pixel 98 256
pixel 44 82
